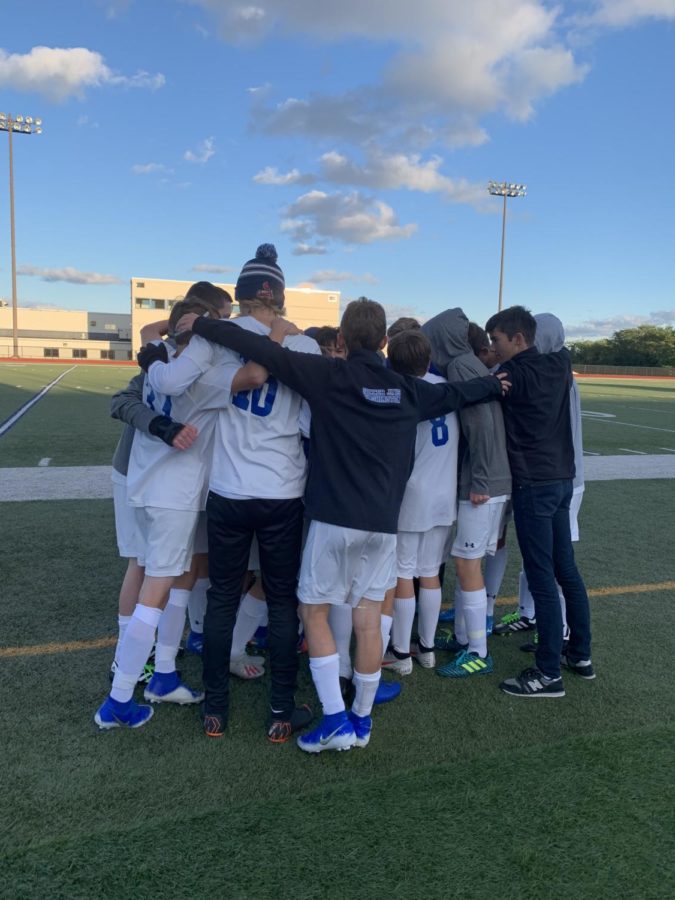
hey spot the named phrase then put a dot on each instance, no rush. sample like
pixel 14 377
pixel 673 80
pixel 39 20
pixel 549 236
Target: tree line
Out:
pixel 646 345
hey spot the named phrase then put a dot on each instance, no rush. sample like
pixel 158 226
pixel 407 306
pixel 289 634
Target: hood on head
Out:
pixel 448 335
pixel 550 336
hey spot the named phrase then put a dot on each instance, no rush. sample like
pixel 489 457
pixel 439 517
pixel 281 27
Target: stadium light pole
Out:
pixel 16 125
pixel 504 189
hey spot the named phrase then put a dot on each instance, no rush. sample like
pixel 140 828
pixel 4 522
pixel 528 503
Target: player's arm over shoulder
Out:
pixel 127 405
pixel 174 377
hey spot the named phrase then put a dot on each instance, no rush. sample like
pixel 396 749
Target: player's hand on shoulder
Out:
pixel 505 383
pixel 281 328
pixel 186 322
pixel 151 353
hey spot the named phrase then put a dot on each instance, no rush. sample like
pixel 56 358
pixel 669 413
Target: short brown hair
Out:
pixel 410 353
pixel 190 305
pixel 363 325
pixel 405 323
pixel 477 338
pixel 211 293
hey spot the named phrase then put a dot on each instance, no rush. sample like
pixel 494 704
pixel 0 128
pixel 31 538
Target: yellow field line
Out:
pixel 98 643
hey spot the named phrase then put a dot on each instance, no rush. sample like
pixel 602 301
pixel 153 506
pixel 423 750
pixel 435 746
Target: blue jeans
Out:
pixel 542 515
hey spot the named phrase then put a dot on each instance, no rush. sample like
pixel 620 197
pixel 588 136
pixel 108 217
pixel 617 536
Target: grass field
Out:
pixel 462 791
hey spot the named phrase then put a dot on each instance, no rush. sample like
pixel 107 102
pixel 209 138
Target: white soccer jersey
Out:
pixel 258 453
pixel 430 497
pixel 160 476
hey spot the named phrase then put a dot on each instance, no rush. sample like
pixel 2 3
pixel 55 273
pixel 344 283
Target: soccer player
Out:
pixel 364 424
pixel 427 512
pixel 541 452
pixel 484 488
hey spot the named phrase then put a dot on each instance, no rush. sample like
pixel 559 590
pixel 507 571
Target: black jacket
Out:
pixel 364 423
pixel 537 416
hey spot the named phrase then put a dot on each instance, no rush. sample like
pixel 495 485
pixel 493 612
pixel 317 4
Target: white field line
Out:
pixel 590 453
pixel 22 410
pixel 632 425
pixel 45 461
pixel 669 449
pixel 628 450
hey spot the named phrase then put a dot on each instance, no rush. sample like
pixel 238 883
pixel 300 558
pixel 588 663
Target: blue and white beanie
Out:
pixel 261 278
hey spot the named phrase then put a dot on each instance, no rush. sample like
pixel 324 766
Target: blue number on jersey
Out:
pixel 150 399
pixel 439 432
pixel 166 406
pixel 241 400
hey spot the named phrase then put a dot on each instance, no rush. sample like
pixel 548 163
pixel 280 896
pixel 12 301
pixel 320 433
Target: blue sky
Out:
pixel 359 138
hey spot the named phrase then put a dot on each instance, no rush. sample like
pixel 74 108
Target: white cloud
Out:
pixel 68 274
pixel 205 150
pixel 302 248
pixel 58 73
pixel 621 13
pixel 215 268
pixel 333 276
pixel 149 168
pixel 271 175
pixel 352 218
pixel 599 328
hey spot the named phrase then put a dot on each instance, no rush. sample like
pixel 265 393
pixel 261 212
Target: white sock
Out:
pixel 525 598
pixel 475 604
pixel 170 630
pixel 249 616
pixel 366 688
pixel 386 624
pixel 495 566
pixel 326 674
pixel 197 605
pixel 460 622
pixel 122 622
pixel 427 616
pixel 401 628
pixel 134 651
pixel 340 621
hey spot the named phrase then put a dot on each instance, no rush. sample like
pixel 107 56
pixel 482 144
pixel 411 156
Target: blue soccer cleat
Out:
pixel 334 732
pixel 195 643
pixel 386 691
pixel 447 615
pixel 466 664
pixel 114 714
pixel 362 725
pixel 166 687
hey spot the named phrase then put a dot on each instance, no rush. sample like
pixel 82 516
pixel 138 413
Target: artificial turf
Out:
pixel 462 790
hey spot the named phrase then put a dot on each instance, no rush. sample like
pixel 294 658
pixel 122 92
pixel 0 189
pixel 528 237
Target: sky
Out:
pixel 359 139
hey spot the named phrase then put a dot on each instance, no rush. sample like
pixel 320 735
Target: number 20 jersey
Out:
pixel 258 452
pixel 430 497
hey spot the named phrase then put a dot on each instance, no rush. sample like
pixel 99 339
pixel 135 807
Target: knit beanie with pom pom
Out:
pixel 261 278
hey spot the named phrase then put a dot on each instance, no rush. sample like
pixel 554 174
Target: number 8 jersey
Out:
pixel 430 497
pixel 258 452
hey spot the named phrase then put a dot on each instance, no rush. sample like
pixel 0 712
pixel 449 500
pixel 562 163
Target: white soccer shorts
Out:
pixel 478 528
pixel 420 553
pixel 343 565
pixel 166 540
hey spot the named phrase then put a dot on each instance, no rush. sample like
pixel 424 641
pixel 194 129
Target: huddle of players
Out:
pixel 376 521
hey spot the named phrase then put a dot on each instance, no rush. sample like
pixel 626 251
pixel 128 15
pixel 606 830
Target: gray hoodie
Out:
pixel 127 405
pixel 550 338
pixel 484 465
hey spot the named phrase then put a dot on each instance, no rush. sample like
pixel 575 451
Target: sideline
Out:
pixel 22 410
pixel 97 643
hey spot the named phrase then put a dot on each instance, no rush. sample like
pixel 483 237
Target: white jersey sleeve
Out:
pixel 430 497
pixel 179 373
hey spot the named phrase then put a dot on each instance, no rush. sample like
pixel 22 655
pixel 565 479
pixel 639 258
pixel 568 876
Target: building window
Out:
pixel 51 351
pixel 140 284
pixel 110 326
pixel 148 303
pixel 79 354
pixel 107 354
pixel 92 323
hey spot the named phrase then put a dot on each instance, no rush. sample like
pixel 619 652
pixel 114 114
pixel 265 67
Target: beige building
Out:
pixel 152 299
pixel 46 333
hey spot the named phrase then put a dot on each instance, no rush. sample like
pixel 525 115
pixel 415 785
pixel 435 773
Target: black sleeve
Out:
pixel 302 372
pixel 438 399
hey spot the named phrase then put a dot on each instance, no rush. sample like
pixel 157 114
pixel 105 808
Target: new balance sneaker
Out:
pixel 279 731
pixel 143 678
pixel 387 691
pixel 214 724
pixel 447 641
pixel 489 625
pixel 397 662
pixel 447 615
pixel 424 656
pixel 244 667
pixel 362 726
pixel 334 732
pixel 581 667
pixel 514 622
pixel 466 664
pixel 533 683
pixel 166 687
pixel 195 643
pixel 113 714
